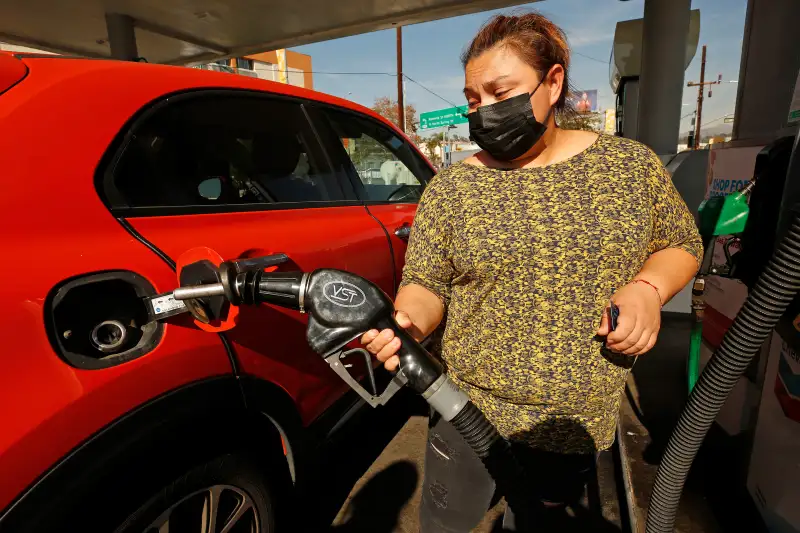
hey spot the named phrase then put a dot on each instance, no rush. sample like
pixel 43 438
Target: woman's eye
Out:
pixel 500 94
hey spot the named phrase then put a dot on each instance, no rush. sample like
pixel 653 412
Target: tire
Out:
pixel 233 486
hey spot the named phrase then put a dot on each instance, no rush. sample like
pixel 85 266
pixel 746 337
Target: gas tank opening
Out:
pixel 101 320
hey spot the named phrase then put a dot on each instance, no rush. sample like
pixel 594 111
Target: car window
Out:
pixel 229 150
pixel 387 166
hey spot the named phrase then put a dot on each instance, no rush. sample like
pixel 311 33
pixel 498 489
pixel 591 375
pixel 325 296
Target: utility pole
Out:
pixel 405 115
pixel 700 86
pixel 401 115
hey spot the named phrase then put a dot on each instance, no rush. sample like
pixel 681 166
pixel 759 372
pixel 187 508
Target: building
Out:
pixel 6 47
pixel 265 65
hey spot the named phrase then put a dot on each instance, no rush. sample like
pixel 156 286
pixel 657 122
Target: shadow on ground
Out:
pixel 377 505
pixel 562 478
pixel 371 481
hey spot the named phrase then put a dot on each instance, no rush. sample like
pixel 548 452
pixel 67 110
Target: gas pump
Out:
pixel 768 230
pixel 625 66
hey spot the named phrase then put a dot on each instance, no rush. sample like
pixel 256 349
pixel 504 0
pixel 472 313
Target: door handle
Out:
pixel 403 232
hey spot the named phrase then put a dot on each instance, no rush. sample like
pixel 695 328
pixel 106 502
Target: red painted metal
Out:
pixel 12 71
pixel 55 128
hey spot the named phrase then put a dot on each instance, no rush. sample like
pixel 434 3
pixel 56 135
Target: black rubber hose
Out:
pixel 775 289
pixel 476 430
pixel 501 463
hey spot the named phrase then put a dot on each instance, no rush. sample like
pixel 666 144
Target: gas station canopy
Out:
pixel 194 31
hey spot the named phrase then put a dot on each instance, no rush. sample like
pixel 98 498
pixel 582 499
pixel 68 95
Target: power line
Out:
pixel 589 57
pixel 394 75
pixel 409 78
pixel 352 73
pixel 717 119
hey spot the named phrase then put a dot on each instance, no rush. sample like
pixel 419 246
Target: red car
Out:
pixel 112 174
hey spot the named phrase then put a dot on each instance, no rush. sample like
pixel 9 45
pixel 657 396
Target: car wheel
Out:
pixel 228 494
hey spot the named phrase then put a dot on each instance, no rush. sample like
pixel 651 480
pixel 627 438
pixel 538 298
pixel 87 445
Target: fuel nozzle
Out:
pixel 341 306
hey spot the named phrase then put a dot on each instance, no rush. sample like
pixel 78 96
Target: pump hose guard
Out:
pixel 774 291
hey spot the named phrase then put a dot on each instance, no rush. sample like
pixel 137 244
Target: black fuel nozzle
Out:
pixel 341 306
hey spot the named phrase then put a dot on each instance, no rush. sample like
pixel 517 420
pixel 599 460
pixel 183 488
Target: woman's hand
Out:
pixel 638 323
pixel 384 344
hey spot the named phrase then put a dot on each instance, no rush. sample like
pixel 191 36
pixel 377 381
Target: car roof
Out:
pixel 194 78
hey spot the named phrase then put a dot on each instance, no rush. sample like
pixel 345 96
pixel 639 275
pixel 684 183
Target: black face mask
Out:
pixel 507 129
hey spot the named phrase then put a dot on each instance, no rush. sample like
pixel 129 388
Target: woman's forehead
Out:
pixel 496 64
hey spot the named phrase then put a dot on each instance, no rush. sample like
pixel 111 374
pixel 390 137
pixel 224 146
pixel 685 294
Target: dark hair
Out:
pixel 533 37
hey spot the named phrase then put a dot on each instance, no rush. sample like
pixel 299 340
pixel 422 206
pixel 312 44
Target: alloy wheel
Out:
pixel 216 509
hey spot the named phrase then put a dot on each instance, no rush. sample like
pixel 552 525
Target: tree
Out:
pixel 387 108
pixel 431 144
pixel 581 121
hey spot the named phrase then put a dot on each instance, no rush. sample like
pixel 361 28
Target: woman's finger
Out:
pixel 626 324
pixel 389 350
pixel 651 342
pixel 630 340
pixel 392 363
pixel 380 341
pixel 402 319
pixel 369 336
pixel 639 344
pixel 603 330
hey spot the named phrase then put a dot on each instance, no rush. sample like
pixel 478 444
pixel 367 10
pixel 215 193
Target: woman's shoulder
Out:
pixel 629 150
pixel 456 173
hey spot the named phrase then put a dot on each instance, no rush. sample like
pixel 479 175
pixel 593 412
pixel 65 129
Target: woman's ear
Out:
pixel 555 82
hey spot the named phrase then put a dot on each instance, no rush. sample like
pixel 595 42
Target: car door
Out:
pixel 245 175
pixel 388 173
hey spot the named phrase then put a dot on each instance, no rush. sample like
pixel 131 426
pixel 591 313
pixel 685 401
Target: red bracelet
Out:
pixel 660 301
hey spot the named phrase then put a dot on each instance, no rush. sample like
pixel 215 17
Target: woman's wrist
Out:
pixel 643 281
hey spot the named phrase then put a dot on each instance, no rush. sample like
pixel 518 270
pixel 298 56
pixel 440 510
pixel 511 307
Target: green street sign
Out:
pixel 442 118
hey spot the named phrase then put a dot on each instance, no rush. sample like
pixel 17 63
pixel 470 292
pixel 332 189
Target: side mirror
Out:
pixel 210 189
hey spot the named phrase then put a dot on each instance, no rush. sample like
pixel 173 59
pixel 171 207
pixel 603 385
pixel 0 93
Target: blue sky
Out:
pixel 431 55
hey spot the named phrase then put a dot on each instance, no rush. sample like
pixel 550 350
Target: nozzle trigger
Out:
pixel 374 399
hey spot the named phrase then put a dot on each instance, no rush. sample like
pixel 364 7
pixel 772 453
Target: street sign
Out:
pixel 442 118
pixel 728 120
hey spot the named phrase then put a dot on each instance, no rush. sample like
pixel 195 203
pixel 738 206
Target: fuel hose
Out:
pixel 774 291
pixel 455 407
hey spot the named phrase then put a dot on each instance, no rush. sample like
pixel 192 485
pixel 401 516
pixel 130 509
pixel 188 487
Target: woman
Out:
pixel 521 247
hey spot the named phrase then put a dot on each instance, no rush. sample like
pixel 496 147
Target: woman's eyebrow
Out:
pixel 492 82
pixel 496 81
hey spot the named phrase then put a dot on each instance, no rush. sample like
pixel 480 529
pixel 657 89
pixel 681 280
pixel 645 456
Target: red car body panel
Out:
pixel 55 127
pixel 394 217
pixel 12 71
pixel 333 237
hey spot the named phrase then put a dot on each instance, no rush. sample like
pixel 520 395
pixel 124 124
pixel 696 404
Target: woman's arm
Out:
pixel 663 276
pixel 423 308
pixel 428 272
pixel 676 252
pixel 669 270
